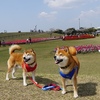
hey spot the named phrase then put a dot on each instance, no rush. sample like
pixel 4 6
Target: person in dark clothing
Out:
pixel 0 43
pixel 30 40
pixel 3 43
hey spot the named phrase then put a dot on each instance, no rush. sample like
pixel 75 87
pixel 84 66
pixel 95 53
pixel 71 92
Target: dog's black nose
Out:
pixel 24 58
pixel 55 57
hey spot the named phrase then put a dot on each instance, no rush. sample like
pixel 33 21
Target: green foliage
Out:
pixel 92 30
pixel 73 31
pixel 59 31
pixel 70 31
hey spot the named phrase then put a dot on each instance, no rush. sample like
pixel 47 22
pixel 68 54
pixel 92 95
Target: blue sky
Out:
pixel 24 15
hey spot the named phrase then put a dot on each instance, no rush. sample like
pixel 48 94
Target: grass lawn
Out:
pixel 47 72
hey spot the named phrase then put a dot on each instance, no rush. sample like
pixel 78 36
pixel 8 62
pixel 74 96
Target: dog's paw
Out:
pixel 13 77
pixel 7 79
pixel 63 92
pixel 75 95
pixel 25 84
pixel 36 82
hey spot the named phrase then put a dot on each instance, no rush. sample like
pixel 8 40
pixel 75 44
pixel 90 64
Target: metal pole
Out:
pixel 79 23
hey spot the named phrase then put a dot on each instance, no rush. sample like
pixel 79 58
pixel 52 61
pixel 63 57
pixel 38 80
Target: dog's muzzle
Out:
pixel 57 61
pixel 25 59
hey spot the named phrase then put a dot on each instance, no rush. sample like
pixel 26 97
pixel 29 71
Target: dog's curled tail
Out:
pixel 72 50
pixel 13 48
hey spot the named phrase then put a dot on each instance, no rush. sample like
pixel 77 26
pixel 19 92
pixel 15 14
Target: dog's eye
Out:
pixel 28 54
pixel 61 54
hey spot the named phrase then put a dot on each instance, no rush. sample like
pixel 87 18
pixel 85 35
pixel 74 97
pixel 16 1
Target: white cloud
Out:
pixel 90 14
pixel 46 15
pixel 61 3
pixel 43 14
pixel 89 17
pixel 66 3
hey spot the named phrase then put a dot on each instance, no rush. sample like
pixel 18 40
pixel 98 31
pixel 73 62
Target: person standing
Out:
pixel 30 40
pixel 0 43
pixel 3 43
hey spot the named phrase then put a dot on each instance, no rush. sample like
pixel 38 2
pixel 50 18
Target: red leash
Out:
pixel 47 87
pixel 35 82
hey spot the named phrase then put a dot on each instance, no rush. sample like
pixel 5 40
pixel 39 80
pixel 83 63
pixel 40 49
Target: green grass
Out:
pixel 24 35
pixel 47 72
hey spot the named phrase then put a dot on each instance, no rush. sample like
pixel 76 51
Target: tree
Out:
pixel 70 31
pixel 59 31
pixel 92 29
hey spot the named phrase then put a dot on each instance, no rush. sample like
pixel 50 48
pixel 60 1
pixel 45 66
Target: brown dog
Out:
pixel 26 60
pixel 69 65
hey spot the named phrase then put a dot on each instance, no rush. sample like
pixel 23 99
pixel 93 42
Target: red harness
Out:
pixel 28 68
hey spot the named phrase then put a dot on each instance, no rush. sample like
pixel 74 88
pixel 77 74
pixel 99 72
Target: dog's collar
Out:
pixel 65 66
pixel 31 63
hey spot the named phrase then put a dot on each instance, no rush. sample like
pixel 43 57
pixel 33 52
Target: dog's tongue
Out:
pixel 56 62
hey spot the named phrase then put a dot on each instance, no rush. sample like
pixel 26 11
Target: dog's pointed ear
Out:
pixel 57 49
pixel 66 49
pixel 32 50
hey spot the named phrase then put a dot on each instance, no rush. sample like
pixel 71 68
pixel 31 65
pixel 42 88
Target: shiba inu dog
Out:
pixel 69 66
pixel 26 60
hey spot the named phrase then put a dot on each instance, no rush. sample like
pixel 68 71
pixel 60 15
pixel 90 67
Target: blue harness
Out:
pixel 70 74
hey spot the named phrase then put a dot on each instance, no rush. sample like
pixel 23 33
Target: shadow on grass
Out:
pixel 42 80
pixel 87 89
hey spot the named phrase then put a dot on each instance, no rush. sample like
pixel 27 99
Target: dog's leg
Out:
pixel 33 76
pixel 7 75
pixel 13 72
pixel 66 82
pixel 24 78
pixel 63 86
pixel 75 87
pixel 10 66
